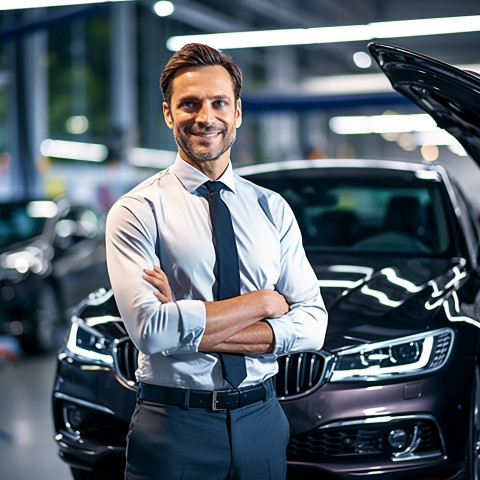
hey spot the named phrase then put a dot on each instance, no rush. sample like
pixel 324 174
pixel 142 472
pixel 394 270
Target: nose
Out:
pixel 205 114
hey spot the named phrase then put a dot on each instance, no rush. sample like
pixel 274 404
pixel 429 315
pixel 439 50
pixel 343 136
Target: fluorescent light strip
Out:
pixel 364 124
pixel 88 152
pixel 337 34
pixel 148 157
pixel 421 125
pixel 23 4
pixel 357 83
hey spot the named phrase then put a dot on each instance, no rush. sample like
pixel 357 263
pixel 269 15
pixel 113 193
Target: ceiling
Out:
pixel 305 62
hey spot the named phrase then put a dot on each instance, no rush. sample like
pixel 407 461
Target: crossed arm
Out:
pixel 235 325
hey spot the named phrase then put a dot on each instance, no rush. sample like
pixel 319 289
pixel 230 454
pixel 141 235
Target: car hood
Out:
pixel 451 96
pixel 368 298
pixel 381 299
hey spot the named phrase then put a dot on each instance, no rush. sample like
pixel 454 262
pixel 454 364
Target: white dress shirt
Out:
pixel 165 221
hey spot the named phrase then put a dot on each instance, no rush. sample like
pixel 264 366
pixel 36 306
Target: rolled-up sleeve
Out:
pixel 154 327
pixel 304 327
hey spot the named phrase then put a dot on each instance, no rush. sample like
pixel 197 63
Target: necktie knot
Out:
pixel 214 186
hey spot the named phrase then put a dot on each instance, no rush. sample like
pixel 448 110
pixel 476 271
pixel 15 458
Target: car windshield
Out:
pixel 364 212
pixel 20 221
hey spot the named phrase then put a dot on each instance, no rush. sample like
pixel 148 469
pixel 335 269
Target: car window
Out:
pixel 365 214
pixel 22 221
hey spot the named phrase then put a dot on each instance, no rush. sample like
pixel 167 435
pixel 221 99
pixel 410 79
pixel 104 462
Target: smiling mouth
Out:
pixel 206 135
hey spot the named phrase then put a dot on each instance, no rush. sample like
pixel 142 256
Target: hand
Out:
pixel 159 280
pixel 275 305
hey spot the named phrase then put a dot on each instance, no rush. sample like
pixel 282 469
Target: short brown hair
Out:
pixel 195 55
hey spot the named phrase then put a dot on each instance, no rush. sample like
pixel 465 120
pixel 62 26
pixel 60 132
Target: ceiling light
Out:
pixel 429 152
pixel 365 124
pixel 88 152
pixel 357 83
pixel 336 34
pixel 77 124
pixel 409 131
pixel 407 142
pixel 425 26
pixel 22 4
pixel 274 38
pixel 152 158
pixel 362 59
pixel 163 9
pixel 457 149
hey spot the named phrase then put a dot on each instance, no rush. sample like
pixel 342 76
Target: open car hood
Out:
pixel 451 96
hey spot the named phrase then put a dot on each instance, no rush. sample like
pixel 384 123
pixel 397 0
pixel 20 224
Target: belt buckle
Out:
pixel 215 408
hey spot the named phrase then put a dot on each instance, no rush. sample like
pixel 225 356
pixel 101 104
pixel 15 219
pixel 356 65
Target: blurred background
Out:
pixel 81 120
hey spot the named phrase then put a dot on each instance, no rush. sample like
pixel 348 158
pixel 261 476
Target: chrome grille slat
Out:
pixel 299 374
pixel 311 370
pixel 285 374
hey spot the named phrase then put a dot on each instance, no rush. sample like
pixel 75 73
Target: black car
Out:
pixel 395 391
pixel 51 256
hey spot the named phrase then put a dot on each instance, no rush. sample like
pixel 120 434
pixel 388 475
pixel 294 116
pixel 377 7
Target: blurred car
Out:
pixel 395 391
pixel 51 257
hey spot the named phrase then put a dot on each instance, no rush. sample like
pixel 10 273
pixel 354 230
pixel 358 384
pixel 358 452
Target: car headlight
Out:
pixel 412 355
pixel 14 265
pixel 87 345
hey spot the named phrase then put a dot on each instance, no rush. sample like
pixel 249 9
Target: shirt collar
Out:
pixel 192 178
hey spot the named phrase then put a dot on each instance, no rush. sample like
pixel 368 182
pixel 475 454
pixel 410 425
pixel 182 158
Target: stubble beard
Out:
pixel 204 155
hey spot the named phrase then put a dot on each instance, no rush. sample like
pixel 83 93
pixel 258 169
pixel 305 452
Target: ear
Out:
pixel 167 115
pixel 238 114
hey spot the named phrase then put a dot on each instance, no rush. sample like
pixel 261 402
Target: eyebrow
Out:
pixel 188 98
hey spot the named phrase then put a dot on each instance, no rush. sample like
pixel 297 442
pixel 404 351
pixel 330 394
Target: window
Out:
pixel 366 212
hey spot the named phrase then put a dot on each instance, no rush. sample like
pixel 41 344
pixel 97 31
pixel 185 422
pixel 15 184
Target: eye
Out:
pixel 220 103
pixel 187 105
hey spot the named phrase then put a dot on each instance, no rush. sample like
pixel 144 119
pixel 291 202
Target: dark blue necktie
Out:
pixel 228 276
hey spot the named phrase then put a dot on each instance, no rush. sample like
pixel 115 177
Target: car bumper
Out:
pixel 355 429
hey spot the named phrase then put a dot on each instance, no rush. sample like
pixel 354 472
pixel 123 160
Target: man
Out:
pixel 164 254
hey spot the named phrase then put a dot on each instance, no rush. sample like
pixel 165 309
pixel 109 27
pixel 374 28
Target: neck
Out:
pixel 213 169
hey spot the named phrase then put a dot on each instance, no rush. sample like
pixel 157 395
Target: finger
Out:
pixel 152 273
pixel 155 281
pixel 160 296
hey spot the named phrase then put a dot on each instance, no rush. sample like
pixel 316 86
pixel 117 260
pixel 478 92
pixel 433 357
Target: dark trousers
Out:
pixel 170 443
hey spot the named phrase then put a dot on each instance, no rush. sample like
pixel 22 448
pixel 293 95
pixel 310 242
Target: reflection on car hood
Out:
pixel 368 298
pixel 375 301
pixel 449 95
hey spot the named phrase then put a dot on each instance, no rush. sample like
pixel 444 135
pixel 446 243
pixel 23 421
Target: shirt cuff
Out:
pixel 284 335
pixel 192 318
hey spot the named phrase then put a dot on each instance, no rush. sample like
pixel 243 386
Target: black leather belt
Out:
pixel 210 400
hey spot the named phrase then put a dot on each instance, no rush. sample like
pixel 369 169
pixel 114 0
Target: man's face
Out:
pixel 203 114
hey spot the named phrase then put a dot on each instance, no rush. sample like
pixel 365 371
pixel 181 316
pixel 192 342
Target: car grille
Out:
pixel 298 375
pixel 126 360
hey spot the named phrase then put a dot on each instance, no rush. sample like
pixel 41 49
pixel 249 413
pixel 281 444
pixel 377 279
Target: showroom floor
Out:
pixel 27 448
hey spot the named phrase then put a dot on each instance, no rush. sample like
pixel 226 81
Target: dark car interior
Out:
pixel 363 214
